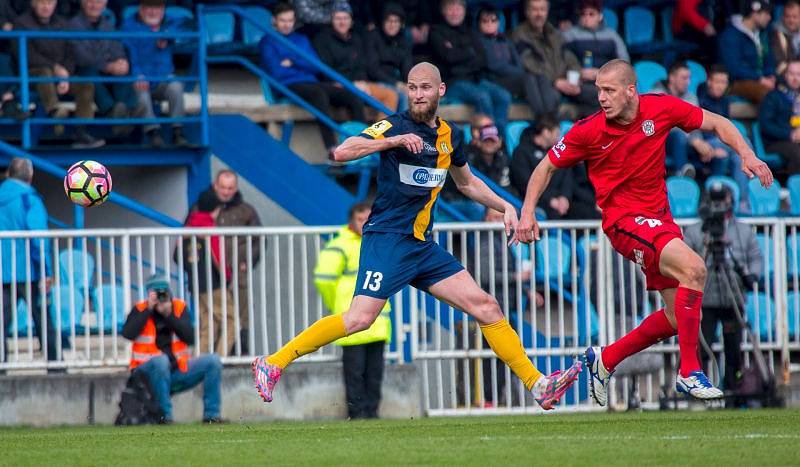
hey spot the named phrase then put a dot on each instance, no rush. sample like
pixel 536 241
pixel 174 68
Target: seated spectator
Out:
pixel 592 42
pixel 389 52
pixel 691 23
pixel 313 15
pixel 343 49
pixel 459 53
pixel 784 39
pixel 486 152
pixel 505 67
pixel 104 58
pixel 55 58
pixel 680 145
pixel 151 62
pixel 779 118
pixel 744 49
pixel 10 106
pixel 542 50
pixel 161 332
pixel 299 75
pixel 713 96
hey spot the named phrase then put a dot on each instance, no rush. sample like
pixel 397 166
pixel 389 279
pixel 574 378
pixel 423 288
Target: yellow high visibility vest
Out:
pixel 335 277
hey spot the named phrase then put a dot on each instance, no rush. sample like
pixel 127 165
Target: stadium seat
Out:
pixel 22 319
pixel 565 126
pixel 640 26
pixel 129 11
pixel 76 279
pixel 773 160
pixel 513 132
pixel 610 18
pixel 764 201
pixel 252 34
pixel 109 16
pixel 266 90
pixel 555 268
pixel 697 75
pixel 792 312
pixel 219 27
pixel 467 133
pixel 762 306
pixel 793 184
pixel 60 307
pixel 729 183
pixel 792 257
pixel 768 254
pixel 112 297
pixel 684 196
pixel 648 74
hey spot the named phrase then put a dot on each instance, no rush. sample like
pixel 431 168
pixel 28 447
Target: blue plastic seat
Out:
pixel 565 126
pixel 77 276
pixel 729 183
pixel 252 34
pixel 610 18
pixel 764 201
pixel 640 26
pixel 555 268
pixel 129 11
pixel 60 306
pixel 467 133
pixel 112 297
pixel 792 257
pixel 648 74
pixel 513 132
pixel 793 184
pixel 697 75
pixel 22 319
pixel 684 196
pixel 792 310
pixel 761 305
pixel 772 159
pixel 768 255
pixel 219 27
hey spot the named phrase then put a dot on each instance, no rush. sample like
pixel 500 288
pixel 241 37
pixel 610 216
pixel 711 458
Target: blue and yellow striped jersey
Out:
pixel 408 183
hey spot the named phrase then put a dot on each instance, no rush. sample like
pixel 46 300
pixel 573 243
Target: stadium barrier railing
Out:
pixel 589 296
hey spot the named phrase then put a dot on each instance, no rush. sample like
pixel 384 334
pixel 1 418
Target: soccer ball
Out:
pixel 87 183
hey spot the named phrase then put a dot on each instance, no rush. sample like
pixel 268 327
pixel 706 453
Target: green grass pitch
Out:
pixel 718 438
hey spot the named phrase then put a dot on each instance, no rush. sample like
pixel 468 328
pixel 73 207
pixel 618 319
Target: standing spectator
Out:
pixel 459 53
pixel 691 23
pixel 21 208
pixel 362 352
pixel 592 42
pixel 713 96
pixel 784 40
pixel 236 212
pixel 314 15
pixel 486 152
pixel 151 62
pixel 55 58
pixel 779 118
pixel 541 47
pixel 744 49
pixel 210 295
pixel 161 332
pixel 505 67
pixel 104 58
pixel 343 49
pixel 299 74
pixel 680 145
pixel 389 52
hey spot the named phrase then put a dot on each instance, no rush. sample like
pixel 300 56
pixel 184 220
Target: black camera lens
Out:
pixel 162 295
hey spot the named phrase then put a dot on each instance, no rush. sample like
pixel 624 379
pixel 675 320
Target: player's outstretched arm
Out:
pixel 528 230
pixel 728 134
pixel 473 188
pixel 356 147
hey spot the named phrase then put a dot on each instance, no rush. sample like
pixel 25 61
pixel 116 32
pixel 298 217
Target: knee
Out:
pixel 487 310
pixel 175 88
pixel 214 364
pixel 160 365
pixel 695 273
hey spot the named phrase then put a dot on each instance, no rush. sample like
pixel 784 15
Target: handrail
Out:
pixel 116 198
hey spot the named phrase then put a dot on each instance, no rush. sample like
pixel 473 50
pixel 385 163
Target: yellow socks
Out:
pixel 506 344
pixel 324 331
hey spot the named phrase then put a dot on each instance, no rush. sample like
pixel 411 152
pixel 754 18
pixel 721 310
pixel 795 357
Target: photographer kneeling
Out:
pixel 733 259
pixel 162 333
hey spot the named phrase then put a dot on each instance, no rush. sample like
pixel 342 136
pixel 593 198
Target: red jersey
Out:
pixel 626 163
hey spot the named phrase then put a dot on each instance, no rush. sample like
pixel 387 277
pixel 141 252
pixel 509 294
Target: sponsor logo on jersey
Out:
pixel 378 129
pixel 428 147
pixel 422 176
pixel 648 127
pixel 559 147
pixel 445 149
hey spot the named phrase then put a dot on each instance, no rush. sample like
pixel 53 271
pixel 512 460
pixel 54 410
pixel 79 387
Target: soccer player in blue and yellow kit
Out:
pixel 417 151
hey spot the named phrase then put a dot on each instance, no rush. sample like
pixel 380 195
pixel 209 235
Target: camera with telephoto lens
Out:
pixel 714 212
pixel 162 295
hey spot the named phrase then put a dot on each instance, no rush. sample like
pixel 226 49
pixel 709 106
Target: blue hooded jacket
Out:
pixel 21 208
pixel 272 54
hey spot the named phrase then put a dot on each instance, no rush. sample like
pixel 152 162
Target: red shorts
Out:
pixel 641 240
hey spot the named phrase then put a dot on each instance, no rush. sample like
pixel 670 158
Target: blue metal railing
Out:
pixel 24 79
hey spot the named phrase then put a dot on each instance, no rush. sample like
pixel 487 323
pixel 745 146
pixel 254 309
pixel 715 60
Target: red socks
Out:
pixel 654 328
pixel 687 314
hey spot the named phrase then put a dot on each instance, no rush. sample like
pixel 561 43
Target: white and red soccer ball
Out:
pixel 87 183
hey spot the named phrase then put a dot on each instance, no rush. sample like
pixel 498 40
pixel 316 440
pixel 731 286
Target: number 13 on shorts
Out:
pixel 372 281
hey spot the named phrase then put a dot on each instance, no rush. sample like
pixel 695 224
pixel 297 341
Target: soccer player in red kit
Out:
pixel 623 147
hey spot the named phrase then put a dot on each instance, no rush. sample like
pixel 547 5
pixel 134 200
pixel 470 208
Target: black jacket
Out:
pixel 526 157
pixel 346 55
pixel 498 171
pixel 458 52
pixel 182 327
pixel 44 53
pixel 388 58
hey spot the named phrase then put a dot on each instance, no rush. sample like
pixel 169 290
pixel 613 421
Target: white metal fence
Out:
pixel 587 295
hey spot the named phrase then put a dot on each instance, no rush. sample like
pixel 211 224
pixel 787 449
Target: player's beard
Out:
pixel 425 115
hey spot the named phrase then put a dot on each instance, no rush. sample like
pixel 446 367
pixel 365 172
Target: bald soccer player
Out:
pixel 623 146
pixel 417 149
